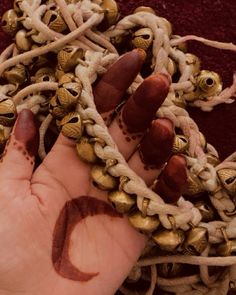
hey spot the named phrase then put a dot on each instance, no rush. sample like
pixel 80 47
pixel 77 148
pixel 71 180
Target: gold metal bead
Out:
pixel 8 112
pixel 143 38
pixel 145 9
pixel 85 150
pixel 171 67
pixel 122 201
pixel 169 270
pixel 196 241
pixel 59 72
pixel 111 11
pixel 9 22
pixel 212 159
pixel 180 145
pixel 69 56
pixel 227 249
pixel 56 109
pixel 193 186
pixel 68 94
pixel 227 178
pixel 23 42
pixel 16 75
pixel 67 78
pixel 54 21
pixel 103 180
pixel 208 83
pixel 193 60
pixel 45 74
pixel 206 211
pixel 72 126
pixel 16 6
pixel 169 240
pixel 145 224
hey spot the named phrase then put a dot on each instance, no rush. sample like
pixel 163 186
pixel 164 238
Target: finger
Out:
pixel 155 149
pixel 135 117
pixel 109 91
pixel 172 180
pixel 17 161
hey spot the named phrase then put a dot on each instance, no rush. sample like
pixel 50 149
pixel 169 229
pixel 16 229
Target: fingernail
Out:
pixel 166 193
pixel 109 91
pixel 142 106
pixel 26 131
pixel 156 146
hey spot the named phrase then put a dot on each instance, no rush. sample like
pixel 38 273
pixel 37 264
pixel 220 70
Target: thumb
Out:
pixel 17 162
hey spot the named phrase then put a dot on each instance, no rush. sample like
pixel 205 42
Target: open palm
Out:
pixel 58 234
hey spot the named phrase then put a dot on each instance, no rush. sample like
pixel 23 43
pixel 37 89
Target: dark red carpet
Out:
pixel 210 19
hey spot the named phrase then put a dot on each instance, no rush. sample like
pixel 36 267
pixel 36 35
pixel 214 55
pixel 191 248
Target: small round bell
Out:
pixel 23 42
pixel 206 211
pixel 194 186
pixel 9 22
pixel 67 78
pixel 8 112
pixel 203 140
pixel 143 38
pixel 194 61
pixel 209 83
pixel 72 126
pixel 103 180
pixel 227 178
pixel 171 67
pixel 169 240
pixel 68 57
pixel 68 94
pixel 180 145
pixel 122 201
pixel 59 72
pixel 56 109
pixel 227 249
pixel 16 6
pixel 45 74
pixel 212 159
pixel 16 75
pixel 54 21
pixel 144 224
pixel 167 26
pixel 85 150
pixel 4 136
pixel 145 9
pixel 111 11
pixel 196 241
pixel 169 270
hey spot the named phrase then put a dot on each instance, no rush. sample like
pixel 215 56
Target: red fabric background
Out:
pixel 210 19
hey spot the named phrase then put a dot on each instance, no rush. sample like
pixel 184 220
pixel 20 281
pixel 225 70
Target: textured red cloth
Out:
pixel 210 19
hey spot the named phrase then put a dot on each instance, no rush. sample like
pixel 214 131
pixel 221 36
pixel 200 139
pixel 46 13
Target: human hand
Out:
pixel 58 233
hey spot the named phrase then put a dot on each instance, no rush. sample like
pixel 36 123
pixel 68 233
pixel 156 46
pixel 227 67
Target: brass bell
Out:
pixel 102 179
pixel 122 201
pixel 227 178
pixel 4 136
pixel 194 61
pixel 145 224
pixel 16 75
pixel 206 211
pixel 72 126
pixel 23 42
pixel 54 21
pixel 193 186
pixel 67 78
pixel 16 6
pixel 167 25
pixel 68 57
pixel 227 249
pixel 145 9
pixel 59 72
pixel 169 240
pixel 10 23
pixel 8 112
pixel 180 145
pixel 208 83
pixel 68 94
pixel 56 109
pixel 171 67
pixel 85 150
pixel 45 74
pixel 203 140
pixel 169 270
pixel 212 159
pixel 143 38
pixel 111 11
pixel 196 241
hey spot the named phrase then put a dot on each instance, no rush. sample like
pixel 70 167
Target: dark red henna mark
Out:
pixel 110 90
pixel 26 132
pixel 156 146
pixel 141 107
pixel 172 180
pixel 73 213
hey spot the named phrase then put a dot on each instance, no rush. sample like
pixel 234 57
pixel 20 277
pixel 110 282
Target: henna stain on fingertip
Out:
pixel 73 212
